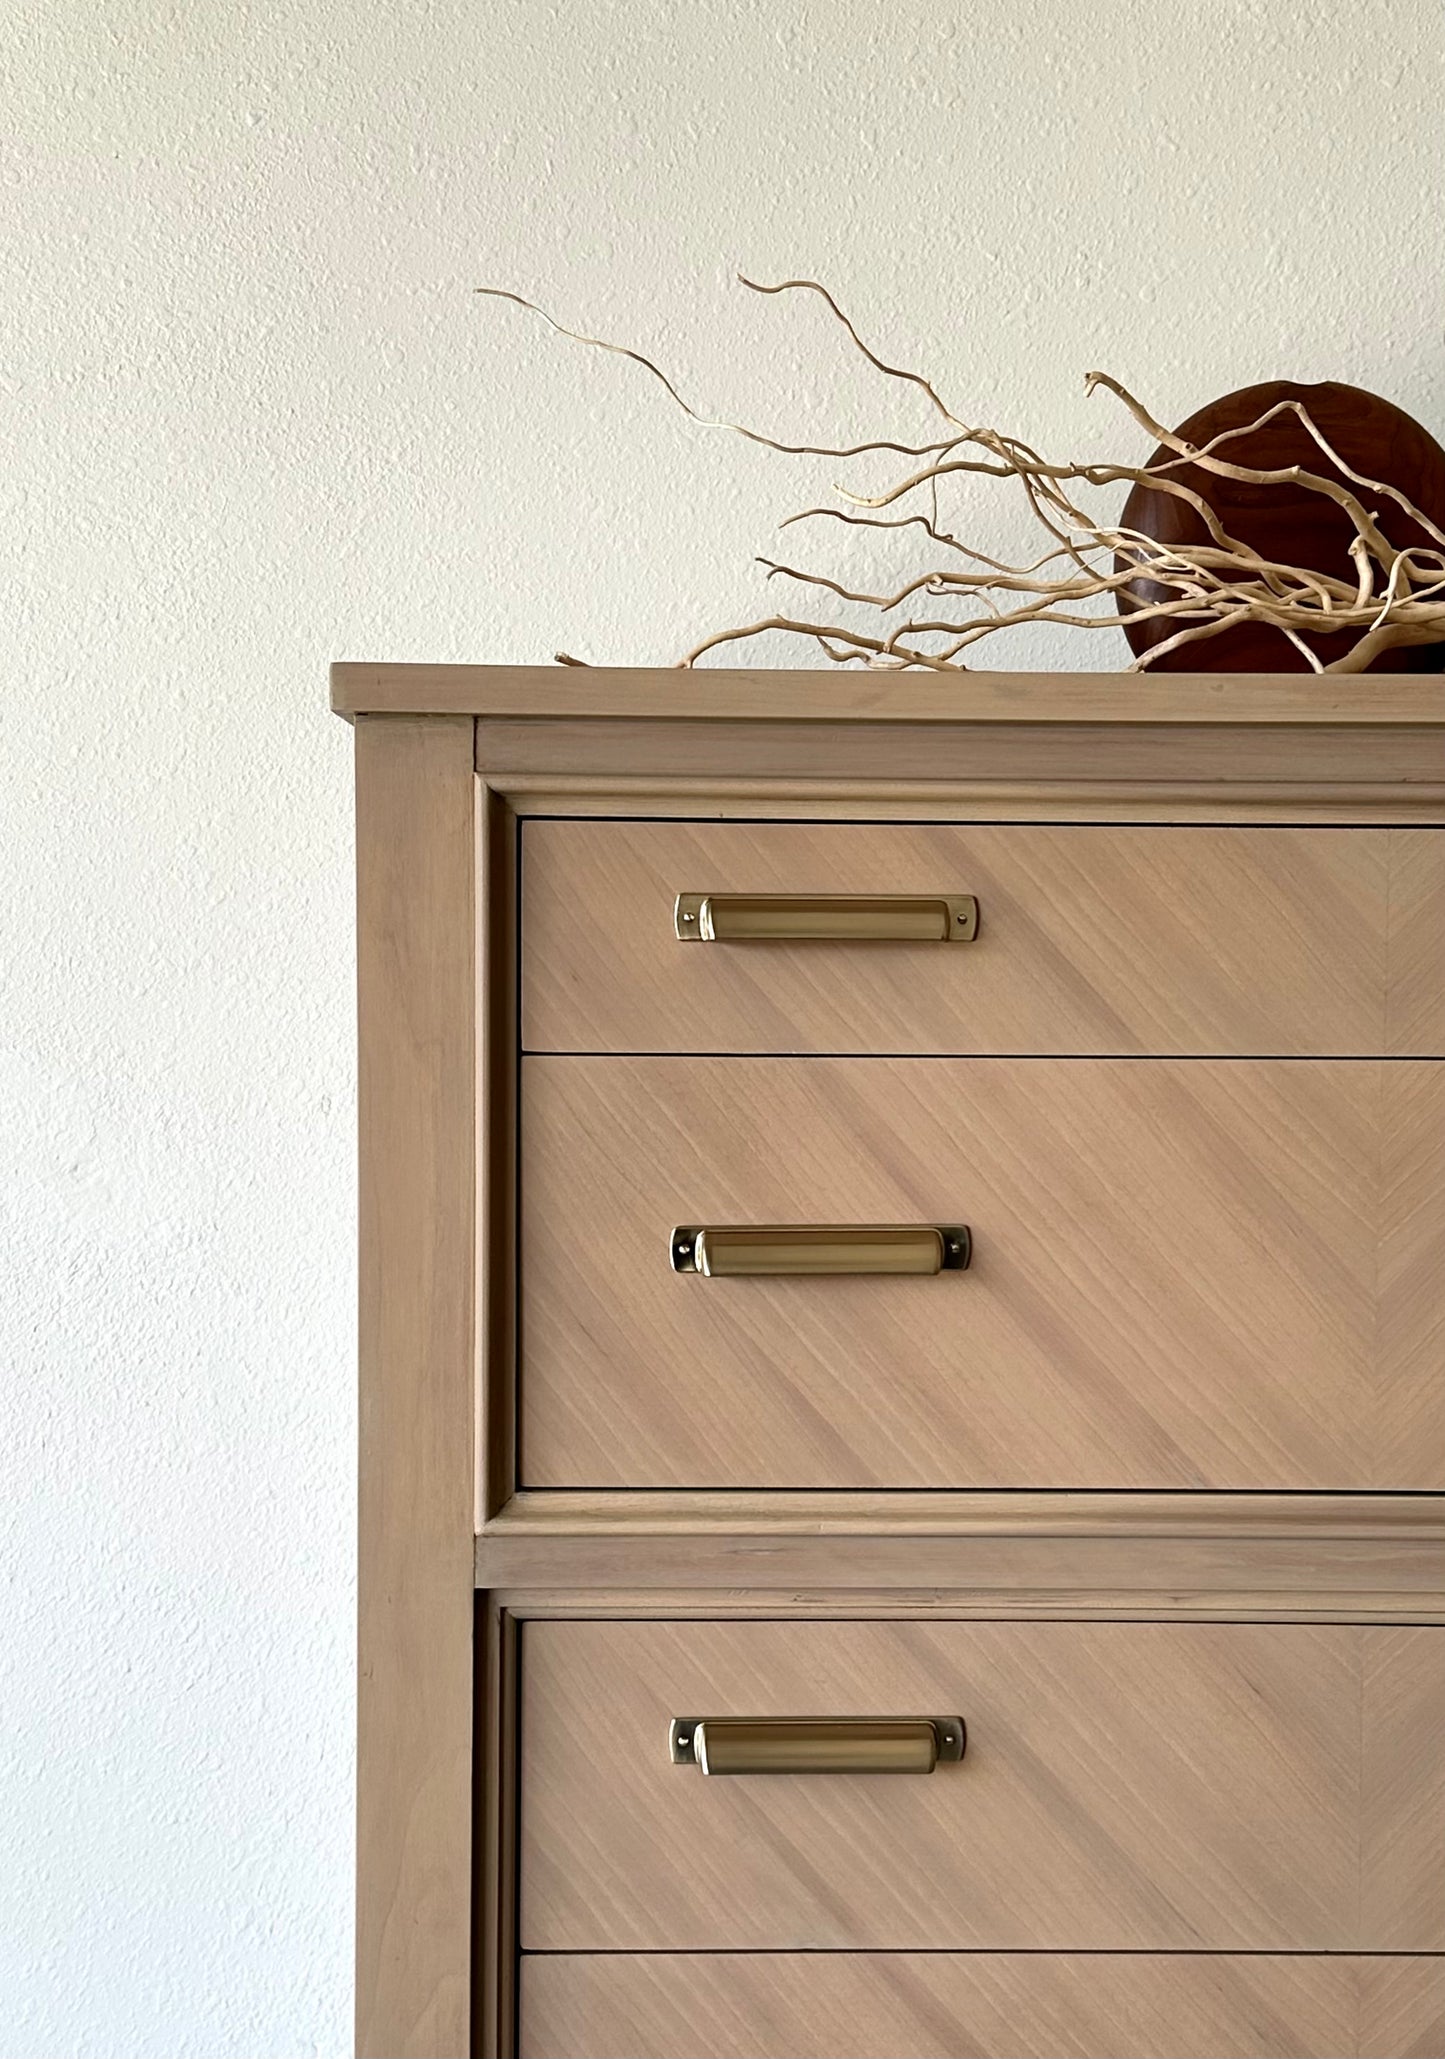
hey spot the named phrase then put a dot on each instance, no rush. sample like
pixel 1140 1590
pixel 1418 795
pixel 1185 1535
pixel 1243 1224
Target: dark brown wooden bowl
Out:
pixel 1288 523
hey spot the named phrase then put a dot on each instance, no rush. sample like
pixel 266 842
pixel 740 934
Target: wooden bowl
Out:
pixel 1287 523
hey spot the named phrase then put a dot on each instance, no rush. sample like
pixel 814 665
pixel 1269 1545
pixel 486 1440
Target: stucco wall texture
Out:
pixel 254 419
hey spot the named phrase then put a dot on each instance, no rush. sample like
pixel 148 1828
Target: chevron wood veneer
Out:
pixel 951 2005
pixel 1186 1274
pixel 1127 1786
pixel 1093 940
pixel 1153 1496
pixel 1402 1857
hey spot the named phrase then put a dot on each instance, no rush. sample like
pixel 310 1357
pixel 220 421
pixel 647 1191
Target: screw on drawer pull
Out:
pixel 816 1744
pixel 782 1248
pixel 826 918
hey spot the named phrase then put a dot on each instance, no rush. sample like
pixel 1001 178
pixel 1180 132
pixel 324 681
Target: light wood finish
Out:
pixel 1149 772
pixel 945 2005
pixel 496 1006
pixel 770 1515
pixel 1286 942
pixel 1403 2008
pixel 1252 1600
pixel 1173 1574
pixel 1186 1274
pixel 1416 1013
pixel 1171 806
pixel 603 694
pixel 437 1850
pixel 1126 1787
pixel 1334 1557
pixel 416 869
pixel 1403 1859
pixel 494 1901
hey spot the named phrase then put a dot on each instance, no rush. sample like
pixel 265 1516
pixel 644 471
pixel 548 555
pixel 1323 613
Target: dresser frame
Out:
pixel 453 1557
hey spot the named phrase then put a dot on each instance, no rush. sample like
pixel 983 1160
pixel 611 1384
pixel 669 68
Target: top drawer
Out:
pixel 1091 941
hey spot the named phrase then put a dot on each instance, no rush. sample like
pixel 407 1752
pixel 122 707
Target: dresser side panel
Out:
pixel 416 1091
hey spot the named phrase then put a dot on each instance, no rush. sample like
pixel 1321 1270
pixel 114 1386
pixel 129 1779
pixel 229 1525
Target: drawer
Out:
pixel 1230 941
pixel 1185 1274
pixel 1125 1787
pixel 938 2005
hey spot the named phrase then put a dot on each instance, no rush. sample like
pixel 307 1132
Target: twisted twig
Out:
pixel 1396 597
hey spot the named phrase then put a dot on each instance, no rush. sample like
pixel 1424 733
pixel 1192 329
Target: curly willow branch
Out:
pixel 1396 598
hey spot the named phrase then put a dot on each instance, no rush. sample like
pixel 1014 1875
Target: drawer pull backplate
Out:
pixel 826 918
pixel 772 1249
pixel 816 1744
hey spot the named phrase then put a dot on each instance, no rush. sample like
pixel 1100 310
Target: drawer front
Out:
pixel 1126 1787
pixel 1222 1274
pixel 938 2005
pixel 1091 940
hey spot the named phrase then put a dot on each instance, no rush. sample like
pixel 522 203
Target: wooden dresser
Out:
pixel 902 1364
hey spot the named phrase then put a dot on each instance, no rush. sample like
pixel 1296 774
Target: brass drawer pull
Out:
pixel 826 918
pixel 782 1248
pixel 808 1744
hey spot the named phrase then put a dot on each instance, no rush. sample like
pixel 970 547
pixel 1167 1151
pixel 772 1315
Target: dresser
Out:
pixel 902 1364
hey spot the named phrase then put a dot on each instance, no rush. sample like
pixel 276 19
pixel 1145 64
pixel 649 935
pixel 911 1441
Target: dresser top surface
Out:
pixel 581 693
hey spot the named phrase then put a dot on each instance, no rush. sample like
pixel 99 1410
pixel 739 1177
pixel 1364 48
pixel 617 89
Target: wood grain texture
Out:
pixel 1410 1277
pixel 946 2005
pixel 799 694
pixel 1344 1557
pixel 1402 2008
pixel 1135 770
pixel 494 1899
pixel 496 1005
pixel 416 872
pixel 1415 978
pixel 1126 1787
pixel 1402 1876
pixel 435 852
pixel 1166 1573
pixel 1145 1600
pixel 1389 1519
pixel 1286 942
pixel 1187 1275
pixel 1263 804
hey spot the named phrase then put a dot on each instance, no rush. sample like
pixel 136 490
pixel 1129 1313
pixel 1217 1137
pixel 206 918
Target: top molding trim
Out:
pixel 587 693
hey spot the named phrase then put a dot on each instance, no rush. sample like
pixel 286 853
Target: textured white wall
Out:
pixel 254 420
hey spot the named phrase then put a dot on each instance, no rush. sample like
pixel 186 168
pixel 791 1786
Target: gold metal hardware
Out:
pixel 774 1249
pixel 826 918
pixel 808 1744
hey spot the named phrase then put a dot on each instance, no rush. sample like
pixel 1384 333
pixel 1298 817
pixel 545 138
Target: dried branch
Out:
pixel 889 371
pixel 1396 597
pixel 789 450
